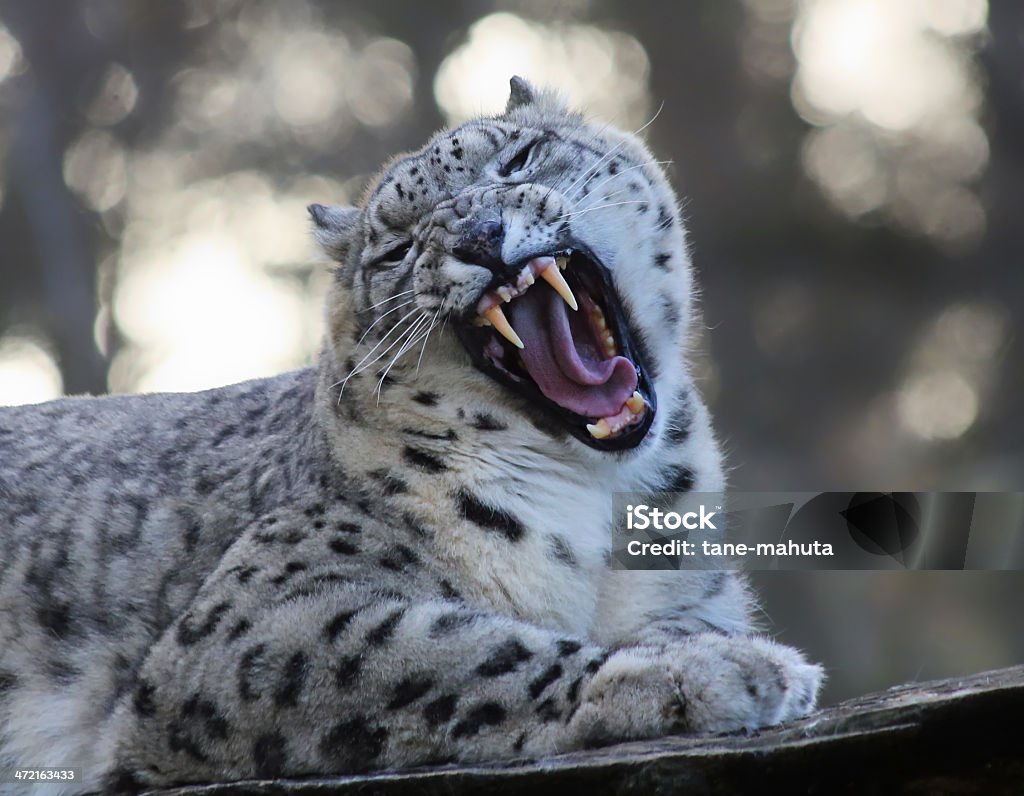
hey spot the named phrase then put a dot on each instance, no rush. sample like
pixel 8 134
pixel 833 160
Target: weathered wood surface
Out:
pixel 957 736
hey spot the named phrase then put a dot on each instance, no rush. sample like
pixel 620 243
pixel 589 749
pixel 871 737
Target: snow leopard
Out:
pixel 399 556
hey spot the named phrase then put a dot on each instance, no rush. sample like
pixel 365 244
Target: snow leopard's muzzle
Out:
pixel 538 312
pixel 557 334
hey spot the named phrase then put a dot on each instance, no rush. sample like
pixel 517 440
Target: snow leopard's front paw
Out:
pixel 743 683
pixel 635 694
pixel 709 684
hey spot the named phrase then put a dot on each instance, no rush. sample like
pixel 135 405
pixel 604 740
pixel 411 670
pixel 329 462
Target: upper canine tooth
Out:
pixel 600 429
pixel 553 277
pixel 636 403
pixel 502 326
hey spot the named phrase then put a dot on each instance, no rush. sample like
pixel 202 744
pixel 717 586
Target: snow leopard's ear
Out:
pixel 337 229
pixel 525 99
pixel 522 93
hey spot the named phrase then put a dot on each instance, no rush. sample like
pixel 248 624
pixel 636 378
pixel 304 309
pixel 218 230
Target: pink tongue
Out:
pixel 561 355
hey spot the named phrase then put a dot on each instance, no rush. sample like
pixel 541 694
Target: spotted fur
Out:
pixel 344 569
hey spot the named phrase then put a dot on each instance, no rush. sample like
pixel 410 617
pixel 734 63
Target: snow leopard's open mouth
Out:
pixel 558 335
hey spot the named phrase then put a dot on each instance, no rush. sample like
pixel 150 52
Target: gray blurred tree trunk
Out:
pixel 58 234
pixel 52 243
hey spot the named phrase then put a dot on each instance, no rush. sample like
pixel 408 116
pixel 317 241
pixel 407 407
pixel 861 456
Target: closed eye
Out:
pixel 519 159
pixel 395 255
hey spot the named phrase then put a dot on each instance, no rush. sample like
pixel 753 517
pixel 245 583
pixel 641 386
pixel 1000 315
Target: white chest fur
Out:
pixel 550 574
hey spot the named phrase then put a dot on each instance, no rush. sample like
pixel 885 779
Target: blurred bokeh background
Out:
pixel 853 174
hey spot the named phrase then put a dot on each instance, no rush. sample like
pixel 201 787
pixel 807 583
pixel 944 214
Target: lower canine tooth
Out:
pixel 553 277
pixel 600 429
pixel 636 403
pixel 502 326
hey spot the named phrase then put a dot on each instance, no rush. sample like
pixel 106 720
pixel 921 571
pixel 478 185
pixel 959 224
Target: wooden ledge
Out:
pixel 961 735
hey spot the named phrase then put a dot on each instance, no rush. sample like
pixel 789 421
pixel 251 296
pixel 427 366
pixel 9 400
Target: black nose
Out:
pixel 481 245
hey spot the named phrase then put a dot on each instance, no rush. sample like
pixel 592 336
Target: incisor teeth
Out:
pixel 600 429
pixel 552 276
pixel 505 293
pixel 502 326
pixel 636 403
pixel 561 262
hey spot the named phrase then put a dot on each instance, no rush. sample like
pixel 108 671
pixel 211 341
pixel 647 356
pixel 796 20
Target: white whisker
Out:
pixel 409 335
pixel 360 365
pixel 628 168
pixel 592 138
pixel 586 210
pixel 608 196
pixel 588 173
pixel 382 317
pixel 392 298
pixel 433 323
pixel 402 341
pixel 647 124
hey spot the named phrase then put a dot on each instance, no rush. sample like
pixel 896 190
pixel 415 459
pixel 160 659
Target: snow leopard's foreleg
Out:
pixel 344 677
